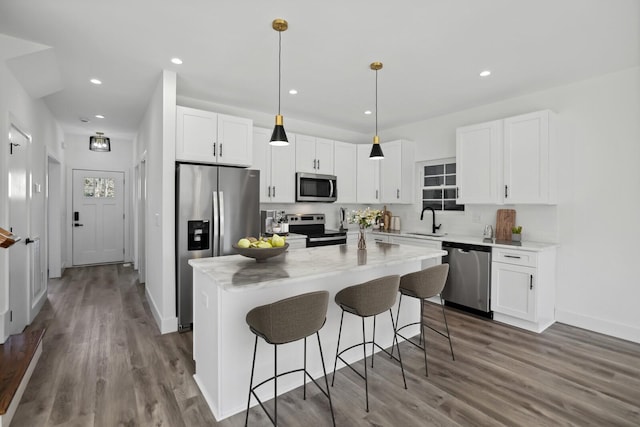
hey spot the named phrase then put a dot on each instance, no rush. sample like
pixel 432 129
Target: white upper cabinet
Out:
pixel 345 170
pixel 479 163
pixel 509 161
pixel 368 183
pixel 277 167
pixel 314 155
pixel 397 172
pixel 529 169
pixel 207 137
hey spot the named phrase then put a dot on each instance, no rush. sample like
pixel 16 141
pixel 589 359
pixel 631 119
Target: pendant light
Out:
pixel 279 136
pixel 376 150
pixel 99 142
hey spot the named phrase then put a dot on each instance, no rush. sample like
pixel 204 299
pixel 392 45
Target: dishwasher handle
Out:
pixel 466 247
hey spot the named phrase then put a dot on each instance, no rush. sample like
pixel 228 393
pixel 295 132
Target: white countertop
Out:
pixel 235 273
pixel 525 245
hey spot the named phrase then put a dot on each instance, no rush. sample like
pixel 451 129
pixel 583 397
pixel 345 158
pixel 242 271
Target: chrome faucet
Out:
pixel 434 227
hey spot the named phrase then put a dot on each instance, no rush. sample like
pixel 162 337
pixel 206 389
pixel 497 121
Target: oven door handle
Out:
pixel 326 239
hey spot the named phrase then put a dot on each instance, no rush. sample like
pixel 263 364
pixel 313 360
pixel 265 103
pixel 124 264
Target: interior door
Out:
pixel 19 259
pixel 98 217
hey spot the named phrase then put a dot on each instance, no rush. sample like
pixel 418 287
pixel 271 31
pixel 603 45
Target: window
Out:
pixel 439 185
pixel 99 187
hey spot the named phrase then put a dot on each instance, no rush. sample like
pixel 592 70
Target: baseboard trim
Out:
pixel 618 330
pixel 166 325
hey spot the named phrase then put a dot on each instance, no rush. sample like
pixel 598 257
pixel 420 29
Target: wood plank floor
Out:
pixel 106 364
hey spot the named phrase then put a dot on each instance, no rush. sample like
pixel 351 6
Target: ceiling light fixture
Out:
pixel 279 136
pixel 368 112
pixel 485 73
pixel 99 116
pixel 98 142
pixel 95 81
pixel 293 92
pixel 376 150
pixel 176 61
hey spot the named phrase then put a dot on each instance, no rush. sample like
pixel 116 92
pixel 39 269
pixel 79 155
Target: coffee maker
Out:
pixel 270 221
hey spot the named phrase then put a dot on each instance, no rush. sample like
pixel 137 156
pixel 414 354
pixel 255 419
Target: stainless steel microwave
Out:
pixel 311 187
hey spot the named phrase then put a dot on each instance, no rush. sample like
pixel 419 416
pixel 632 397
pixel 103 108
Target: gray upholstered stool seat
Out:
pixel 365 300
pixel 286 321
pixel 425 284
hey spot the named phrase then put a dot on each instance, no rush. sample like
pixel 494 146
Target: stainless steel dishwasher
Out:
pixel 469 282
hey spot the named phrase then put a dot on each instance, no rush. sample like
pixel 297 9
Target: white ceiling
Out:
pixel 432 50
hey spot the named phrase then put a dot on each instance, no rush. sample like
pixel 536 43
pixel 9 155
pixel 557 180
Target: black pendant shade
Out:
pixel 279 136
pixel 99 143
pixel 376 152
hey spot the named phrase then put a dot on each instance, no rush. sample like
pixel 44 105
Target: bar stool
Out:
pixel 283 322
pixel 365 300
pixel 425 284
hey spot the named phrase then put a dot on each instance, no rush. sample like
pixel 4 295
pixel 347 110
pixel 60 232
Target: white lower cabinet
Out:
pixel 523 288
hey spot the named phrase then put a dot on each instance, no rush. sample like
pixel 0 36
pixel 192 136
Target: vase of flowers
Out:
pixel 364 218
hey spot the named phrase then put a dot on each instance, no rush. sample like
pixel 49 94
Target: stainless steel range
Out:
pixel 312 225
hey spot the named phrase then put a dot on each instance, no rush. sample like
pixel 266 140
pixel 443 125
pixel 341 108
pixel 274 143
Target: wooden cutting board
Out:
pixel 505 219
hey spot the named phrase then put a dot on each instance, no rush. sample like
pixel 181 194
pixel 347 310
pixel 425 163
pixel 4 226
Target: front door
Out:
pixel 19 200
pixel 98 217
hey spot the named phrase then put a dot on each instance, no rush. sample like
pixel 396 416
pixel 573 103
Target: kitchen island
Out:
pixel 226 288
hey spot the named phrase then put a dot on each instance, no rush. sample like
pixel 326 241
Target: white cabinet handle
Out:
pixel 221 149
pixel 214 149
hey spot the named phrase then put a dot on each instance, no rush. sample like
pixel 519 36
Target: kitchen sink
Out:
pixel 429 234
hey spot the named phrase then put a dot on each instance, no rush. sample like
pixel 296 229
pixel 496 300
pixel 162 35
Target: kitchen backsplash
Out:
pixel 539 222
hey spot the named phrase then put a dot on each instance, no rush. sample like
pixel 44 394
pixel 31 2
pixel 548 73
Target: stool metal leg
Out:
pixel 373 341
pixel 447 326
pixel 366 381
pixel 326 380
pixel 304 373
pixel 275 384
pixel 422 323
pixel 398 345
pixel 395 326
pixel 253 365
pixel 424 344
pixel 335 364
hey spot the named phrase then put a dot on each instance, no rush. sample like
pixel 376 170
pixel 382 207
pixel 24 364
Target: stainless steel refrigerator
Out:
pixel 215 207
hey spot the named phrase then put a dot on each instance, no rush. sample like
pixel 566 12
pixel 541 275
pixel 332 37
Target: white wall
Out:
pixel 33 117
pixel 596 220
pixel 119 159
pixel 156 141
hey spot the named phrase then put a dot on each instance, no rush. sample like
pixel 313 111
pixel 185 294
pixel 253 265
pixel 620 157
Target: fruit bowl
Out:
pixel 260 254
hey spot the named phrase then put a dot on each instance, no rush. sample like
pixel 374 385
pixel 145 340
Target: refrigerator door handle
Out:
pixel 221 221
pixel 216 226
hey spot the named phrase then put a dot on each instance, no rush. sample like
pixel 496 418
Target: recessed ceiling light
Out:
pixel 485 73
pixel 293 92
pixel 95 81
pixel 99 116
pixel 176 61
pixel 368 112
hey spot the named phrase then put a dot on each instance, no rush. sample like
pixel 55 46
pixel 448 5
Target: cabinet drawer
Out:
pixel 515 257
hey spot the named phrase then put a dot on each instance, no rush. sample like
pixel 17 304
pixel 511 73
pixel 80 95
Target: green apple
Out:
pixel 243 243
pixel 263 245
pixel 277 241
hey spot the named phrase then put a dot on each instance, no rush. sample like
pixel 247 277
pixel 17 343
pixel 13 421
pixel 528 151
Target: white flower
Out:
pixel 365 218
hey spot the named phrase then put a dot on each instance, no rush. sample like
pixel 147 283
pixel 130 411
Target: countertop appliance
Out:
pixel 312 225
pixel 215 207
pixel 311 187
pixel 469 282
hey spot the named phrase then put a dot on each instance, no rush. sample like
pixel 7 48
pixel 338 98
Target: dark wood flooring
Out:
pixel 106 364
